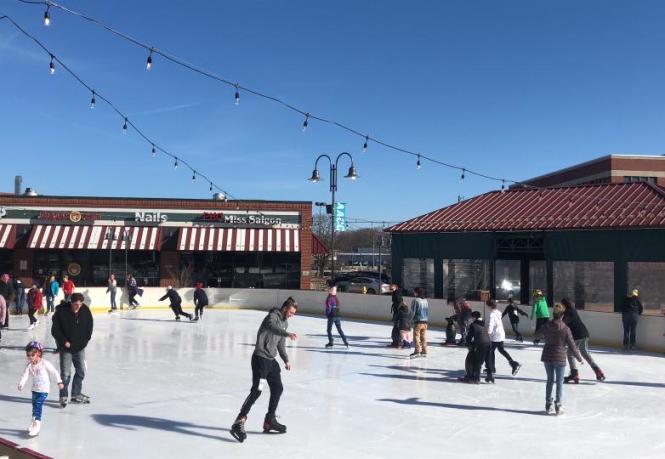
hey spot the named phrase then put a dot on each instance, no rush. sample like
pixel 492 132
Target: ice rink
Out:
pixel 162 389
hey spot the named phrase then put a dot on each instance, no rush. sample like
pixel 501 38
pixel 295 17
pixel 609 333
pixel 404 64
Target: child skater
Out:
pixel 478 342
pixel 497 336
pixel 39 369
pixel 332 313
pixel 514 312
pixel 404 325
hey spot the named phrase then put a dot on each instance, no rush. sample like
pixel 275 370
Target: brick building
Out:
pixel 608 169
pixel 245 244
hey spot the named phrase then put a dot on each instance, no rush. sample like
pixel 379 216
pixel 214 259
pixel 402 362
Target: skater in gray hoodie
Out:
pixel 269 341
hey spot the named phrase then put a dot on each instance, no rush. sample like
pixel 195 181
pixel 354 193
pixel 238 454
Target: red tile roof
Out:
pixel 607 206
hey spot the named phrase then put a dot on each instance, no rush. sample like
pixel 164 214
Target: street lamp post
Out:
pixel 316 177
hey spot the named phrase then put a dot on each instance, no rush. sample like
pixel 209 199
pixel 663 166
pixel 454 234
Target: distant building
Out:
pixel 608 169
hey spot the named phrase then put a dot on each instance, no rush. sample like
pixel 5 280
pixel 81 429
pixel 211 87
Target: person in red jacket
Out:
pixel 35 299
pixel 67 288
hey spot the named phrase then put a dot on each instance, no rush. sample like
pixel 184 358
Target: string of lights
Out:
pixel 308 116
pixel 155 147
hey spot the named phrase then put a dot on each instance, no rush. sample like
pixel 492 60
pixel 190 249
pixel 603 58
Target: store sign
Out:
pixel 72 216
pixel 241 219
pixel 150 217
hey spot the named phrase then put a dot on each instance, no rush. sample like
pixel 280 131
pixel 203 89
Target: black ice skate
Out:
pixel 329 345
pixel 238 430
pixel 271 425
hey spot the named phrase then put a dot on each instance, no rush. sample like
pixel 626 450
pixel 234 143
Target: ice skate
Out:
pixel 558 409
pixel 177 318
pixel 600 376
pixel 238 430
pixel 573 377
pixel 329 345
pixel 271 424
pixel 80 399
pixel 415 355
pixel 549 408
pixel 35 427
pixel 489 379
pixel 516 367
pixel 63 402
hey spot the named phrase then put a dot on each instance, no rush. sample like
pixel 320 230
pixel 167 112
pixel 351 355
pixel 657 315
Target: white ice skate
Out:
pixel 35 427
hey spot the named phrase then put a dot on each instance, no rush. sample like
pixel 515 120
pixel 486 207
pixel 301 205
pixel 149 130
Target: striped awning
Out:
pixel 7 236
pixel 85 237
pixel 239 239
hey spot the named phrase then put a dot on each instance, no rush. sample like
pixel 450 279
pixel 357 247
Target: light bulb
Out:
pixel 365 144
pixel 462 177
pixel 148 63
pixel 175 165
pixel 211 187
pixel 305 123
pixel 93 102
pixel 503 185
pixel 418 165
pixel 47 16
pixel 154 151
pixel 124 127
pixel 237 99
pixel 193 175
pixel 51 66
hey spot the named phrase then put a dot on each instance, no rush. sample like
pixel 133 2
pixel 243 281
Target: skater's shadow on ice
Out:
pixel 343 351
pixel 156 320
pixel 26 399
pixel 20 433
pixel 635 383
pixel 416 401
pixel 22 348
pixel 350 338
pixel 129 422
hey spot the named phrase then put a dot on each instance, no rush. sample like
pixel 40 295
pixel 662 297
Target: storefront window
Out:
pixel 649 279
pixel 537 277
pixel 6 261
pixel 90 268
pixel 590 285
pixel 242 270
pixel 465 278
pixel 508 279
pixel 418 272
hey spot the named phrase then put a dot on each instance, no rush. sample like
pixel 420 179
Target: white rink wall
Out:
pixel 605 328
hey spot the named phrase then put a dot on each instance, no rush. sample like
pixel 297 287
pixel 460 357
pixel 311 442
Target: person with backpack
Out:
pixel 333 315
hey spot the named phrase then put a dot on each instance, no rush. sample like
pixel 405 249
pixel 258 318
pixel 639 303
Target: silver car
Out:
pixel 366 285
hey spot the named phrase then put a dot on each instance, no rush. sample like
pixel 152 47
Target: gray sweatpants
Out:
pixel 582 345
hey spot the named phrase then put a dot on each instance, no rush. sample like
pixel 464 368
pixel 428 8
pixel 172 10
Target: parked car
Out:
pixel 367 285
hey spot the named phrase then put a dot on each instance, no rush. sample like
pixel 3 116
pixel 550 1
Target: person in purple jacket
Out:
pixel 332 313
pixel 557 335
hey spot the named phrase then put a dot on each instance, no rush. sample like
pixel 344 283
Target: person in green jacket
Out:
pixel 540 311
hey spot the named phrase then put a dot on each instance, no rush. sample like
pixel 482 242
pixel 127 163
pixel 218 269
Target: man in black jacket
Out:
pixel 72 329
pixel 200 301
pixel 631 312
pixel 176 303
pixel 394 310
pixel 7 291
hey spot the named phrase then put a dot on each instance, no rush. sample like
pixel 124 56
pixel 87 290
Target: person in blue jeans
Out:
pixel 72 329
pixel 557 335
pixel 19 288
pixel 332 313
pixel 52 290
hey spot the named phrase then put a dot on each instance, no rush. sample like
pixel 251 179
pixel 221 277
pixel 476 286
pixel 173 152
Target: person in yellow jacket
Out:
pixel 540 311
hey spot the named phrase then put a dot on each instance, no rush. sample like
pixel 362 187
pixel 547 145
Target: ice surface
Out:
pixel 162 389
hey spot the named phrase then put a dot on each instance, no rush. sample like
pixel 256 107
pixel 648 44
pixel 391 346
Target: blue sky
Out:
pixel 511 88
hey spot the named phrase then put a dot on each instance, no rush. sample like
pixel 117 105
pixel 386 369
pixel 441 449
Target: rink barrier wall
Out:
pixel 12 450
pixel 606 329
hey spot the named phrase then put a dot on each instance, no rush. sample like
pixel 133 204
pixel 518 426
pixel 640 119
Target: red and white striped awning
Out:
pixel 7 236
pixel 85 237
pixel 239 239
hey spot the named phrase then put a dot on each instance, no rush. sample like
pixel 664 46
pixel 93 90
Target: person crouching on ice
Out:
pixel 478 342
pixel 176 303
